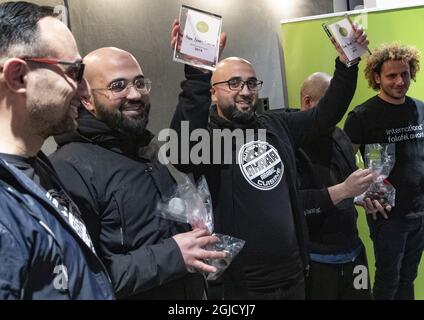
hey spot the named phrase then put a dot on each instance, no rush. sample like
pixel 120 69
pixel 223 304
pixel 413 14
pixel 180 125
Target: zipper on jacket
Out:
pixel 307 270
pixel 121 219
pixel 121 230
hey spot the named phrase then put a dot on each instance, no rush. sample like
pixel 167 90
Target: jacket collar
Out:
pixel 92 130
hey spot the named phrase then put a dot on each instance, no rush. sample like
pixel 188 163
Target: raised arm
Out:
pixel 329 110
pixel 333 105
pixel 195 98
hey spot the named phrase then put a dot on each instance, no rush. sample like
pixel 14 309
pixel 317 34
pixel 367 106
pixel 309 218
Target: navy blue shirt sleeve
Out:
pixel 12 266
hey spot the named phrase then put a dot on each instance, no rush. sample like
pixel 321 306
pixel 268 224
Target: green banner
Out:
pixel 307 49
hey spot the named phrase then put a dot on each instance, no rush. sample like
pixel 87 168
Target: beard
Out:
pixel 117 120
pixel 398 95
pixel 46 121
pixel 48 103
pixel 234 115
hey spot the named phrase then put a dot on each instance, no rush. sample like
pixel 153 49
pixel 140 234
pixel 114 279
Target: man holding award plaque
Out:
pixel 391 117
pixel 254 196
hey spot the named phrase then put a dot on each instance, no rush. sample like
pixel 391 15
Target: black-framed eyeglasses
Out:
pixel 120 88
pixel 237 84
pixel 74 70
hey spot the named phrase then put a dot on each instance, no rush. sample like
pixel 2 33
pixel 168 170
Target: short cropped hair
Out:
pixel 19 33
pixel 391 51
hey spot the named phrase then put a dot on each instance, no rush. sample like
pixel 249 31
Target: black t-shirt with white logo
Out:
pixel 261 199
pixel 377 121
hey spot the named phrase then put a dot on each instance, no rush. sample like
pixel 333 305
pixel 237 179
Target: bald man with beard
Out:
pixel 328 182
pixel 111 172
pixel 254 195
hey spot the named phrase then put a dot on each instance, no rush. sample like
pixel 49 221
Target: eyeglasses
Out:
pixel 120 88
pixel 237 84
pixel 74 70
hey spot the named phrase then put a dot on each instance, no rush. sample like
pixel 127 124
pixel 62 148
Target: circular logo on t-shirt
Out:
pixel 261 165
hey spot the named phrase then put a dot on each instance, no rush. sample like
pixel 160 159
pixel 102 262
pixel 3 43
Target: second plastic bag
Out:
pixel 380 158
pixel 192 204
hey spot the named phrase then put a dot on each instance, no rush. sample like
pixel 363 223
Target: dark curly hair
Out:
pixel 391 51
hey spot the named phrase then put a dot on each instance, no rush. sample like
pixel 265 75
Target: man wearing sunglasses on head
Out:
pixel 45 249
pixel 110 168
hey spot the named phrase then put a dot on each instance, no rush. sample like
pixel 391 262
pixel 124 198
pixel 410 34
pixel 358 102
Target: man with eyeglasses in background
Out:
pixel 45 249
pixel 255 197
pixel 112 172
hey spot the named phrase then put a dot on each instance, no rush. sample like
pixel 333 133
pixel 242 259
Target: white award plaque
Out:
pixel 198 44
pixel 342 32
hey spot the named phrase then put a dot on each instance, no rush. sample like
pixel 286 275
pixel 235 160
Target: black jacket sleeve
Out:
pixel 315 201
pixel 145 268
pixel 194 100
pixel 132 272
pixel 193 108
pixel 330 108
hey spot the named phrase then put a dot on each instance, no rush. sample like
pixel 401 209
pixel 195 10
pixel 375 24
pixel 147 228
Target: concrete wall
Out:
pixel 143 28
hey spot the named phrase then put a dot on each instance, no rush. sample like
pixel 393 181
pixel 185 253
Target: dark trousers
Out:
pixel 398 246
pixel 339 281
pixel 293 291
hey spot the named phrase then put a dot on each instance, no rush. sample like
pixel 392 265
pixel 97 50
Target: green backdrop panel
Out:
pixel 307 49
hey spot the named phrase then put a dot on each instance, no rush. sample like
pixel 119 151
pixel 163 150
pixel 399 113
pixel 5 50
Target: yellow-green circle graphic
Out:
pixel 343 31
pixel 202 26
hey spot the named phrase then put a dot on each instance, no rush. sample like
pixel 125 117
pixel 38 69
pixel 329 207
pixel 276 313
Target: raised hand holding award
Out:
pixel 198 44
pixel 341 34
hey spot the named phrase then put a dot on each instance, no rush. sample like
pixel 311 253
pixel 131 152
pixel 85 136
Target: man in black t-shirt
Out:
pixel 254 193
pixel 392 117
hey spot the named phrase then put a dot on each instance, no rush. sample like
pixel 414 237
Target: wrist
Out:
pixel 338 193
pixel 344 191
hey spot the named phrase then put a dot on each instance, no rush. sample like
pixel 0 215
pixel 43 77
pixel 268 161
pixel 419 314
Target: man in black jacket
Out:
pixel 111 172
pixel 326 163
pixel 255 198
pixel 45 250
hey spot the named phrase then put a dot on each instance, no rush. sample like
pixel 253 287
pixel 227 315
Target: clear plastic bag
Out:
pixel 380 158
pixel 189 204
pixel 193 205
pixel 231 246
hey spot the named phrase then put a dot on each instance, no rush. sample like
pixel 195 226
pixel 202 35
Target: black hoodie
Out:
pixel 117 190
pixel 285 132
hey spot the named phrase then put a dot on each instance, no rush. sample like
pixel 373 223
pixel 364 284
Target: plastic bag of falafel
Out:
pixel 380 158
